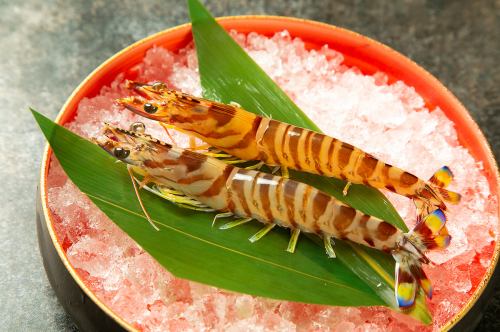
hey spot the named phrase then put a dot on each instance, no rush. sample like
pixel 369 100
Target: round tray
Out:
pixel 370 56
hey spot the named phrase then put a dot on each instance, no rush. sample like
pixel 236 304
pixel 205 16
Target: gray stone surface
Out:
pixel 48 47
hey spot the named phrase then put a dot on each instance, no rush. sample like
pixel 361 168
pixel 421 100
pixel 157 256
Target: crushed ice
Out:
pixel 387 120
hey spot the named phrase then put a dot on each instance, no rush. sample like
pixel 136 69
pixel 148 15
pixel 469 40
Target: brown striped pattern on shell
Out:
pixel 273 199
pixel 249 137
pixel 265 197
pixel 283 144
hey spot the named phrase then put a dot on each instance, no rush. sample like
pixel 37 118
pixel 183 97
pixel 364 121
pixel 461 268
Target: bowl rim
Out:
pixel 47 153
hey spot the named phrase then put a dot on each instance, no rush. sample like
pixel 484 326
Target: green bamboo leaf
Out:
pixel 189 247
pixel 229 74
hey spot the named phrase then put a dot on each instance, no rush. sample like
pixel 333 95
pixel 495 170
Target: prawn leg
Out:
pixel 129 169
pixel 144 181
pixel 256 166
pixel 194 147
pixel 227 158
pixel 221 215
pixel 231 160
pixel 217 154
pixel 284 172
pixel 235 223
pixel 167 127
pixel 200 147
pixel 283 169
pixel 346 188
pixel 260 234
pixel 327 241
pixel 293 240
pixel 178 198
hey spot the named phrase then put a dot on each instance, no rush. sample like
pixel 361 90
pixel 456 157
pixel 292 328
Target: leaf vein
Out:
pixel 220 246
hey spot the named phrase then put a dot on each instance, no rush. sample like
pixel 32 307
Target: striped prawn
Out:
pixel 251 137
pixel 275 200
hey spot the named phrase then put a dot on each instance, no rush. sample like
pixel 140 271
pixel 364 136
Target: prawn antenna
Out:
pixel 129 169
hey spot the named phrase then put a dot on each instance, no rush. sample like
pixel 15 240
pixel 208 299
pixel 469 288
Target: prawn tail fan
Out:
pixel 440 180
pixel 429 234
pixel 434 195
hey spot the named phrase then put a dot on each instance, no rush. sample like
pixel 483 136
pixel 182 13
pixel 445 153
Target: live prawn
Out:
pixel 275 200
pixel 248 136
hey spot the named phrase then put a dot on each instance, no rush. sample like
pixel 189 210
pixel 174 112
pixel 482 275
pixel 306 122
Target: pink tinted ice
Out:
pixel 389 121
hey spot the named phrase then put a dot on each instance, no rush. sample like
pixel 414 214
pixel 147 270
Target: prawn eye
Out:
pixel 138 127
pixel 121 153
pixel 150 108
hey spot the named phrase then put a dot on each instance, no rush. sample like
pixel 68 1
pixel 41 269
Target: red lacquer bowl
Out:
pixel 360 51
